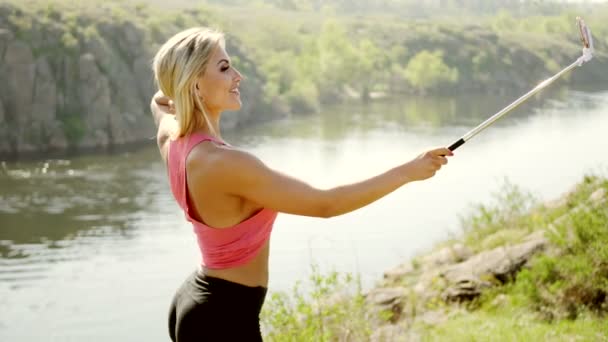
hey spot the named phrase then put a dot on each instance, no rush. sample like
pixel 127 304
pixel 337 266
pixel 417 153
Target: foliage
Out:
pixel 302 59
pixel 333 309
pixel 562 292
pixel 575 280
pixel 510 209
pixel 427 70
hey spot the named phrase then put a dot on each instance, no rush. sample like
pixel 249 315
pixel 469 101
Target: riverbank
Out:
pixel 77 76
pixel 521 270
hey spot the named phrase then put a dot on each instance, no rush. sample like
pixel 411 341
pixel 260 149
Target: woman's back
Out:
pixel 233 233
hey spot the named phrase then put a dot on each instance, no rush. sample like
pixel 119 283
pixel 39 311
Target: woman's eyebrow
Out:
pixel 223 60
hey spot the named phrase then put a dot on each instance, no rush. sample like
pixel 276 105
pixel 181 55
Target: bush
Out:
pixel 427 71
pixel 303 97
pixel 334 309
pixel 575 279
pixel 510 210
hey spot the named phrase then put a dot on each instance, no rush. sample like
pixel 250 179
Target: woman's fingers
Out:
pixel 161 99
pixel 441 152
pixel 164 102
pixel 171 107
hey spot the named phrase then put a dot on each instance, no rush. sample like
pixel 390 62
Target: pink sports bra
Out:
pixel 220 247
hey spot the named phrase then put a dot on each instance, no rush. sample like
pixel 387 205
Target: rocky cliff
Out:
pixel 82 79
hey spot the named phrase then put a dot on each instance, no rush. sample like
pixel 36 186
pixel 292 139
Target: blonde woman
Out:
pixel 231 197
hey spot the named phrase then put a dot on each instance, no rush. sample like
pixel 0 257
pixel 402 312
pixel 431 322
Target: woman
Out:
pixel 230 196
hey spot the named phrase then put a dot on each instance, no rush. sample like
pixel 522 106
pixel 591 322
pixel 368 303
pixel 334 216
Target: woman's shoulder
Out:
pixel 213 155
pixel 220 162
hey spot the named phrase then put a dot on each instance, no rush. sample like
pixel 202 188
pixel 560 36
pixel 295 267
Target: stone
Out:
pixel 500 262
pixel 392 333
pixel 499 300
pixel 399 272
pixel 466 288
pixel 468 279
pixel 447 255
pixel 434 317
pixel 598 196
pixel 387 299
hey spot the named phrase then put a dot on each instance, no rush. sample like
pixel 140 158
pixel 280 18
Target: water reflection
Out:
pixel 56 204
pixel 412 113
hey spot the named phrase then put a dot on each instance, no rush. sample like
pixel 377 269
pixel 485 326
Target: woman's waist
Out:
pixel 254 273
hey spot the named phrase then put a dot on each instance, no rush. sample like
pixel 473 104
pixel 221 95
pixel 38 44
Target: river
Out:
pixel 93 247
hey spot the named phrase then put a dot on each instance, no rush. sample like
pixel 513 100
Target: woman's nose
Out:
pixel 237 76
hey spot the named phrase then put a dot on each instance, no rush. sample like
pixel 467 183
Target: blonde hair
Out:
pixel 177 65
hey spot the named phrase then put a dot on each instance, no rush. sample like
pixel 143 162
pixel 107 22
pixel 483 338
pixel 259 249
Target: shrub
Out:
pixel 427 70
pixel 574 280
pixel 333 309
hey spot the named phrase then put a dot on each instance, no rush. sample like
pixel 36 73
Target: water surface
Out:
pixel 94 247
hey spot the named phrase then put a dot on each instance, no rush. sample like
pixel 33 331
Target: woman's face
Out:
pixel 218 88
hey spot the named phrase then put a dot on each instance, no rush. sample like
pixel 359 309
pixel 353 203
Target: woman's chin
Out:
pixel 236 106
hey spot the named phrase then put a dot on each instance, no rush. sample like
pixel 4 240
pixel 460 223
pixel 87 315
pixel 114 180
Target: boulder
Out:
pixel 387 299
pixel 447 255
pixel 399 272
pixel 466 280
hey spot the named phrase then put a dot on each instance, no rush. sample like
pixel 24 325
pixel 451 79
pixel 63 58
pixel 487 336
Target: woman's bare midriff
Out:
pixel 254 273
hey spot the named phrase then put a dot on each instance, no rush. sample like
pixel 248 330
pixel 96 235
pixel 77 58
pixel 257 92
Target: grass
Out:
pixel 561 295
pixel 514 323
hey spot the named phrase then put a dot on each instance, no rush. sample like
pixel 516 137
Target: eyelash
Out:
pixel 224 69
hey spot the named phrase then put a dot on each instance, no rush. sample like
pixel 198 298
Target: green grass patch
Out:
pixel 332 308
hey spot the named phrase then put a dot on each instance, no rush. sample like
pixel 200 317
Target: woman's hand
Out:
pixel 161 106
pixel 427 164
pixel 164 103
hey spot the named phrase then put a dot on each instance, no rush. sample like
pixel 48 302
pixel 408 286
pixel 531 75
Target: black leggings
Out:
pixel 213 309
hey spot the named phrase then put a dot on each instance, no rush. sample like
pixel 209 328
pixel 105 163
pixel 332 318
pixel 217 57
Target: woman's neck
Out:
pixel 211 125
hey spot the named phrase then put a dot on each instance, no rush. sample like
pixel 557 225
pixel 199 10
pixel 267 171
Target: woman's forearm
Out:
pixel 347 198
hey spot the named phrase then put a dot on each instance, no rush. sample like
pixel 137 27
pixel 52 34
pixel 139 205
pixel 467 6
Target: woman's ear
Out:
pixel 197 91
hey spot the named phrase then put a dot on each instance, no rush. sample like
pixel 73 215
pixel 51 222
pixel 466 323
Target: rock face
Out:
pixel 84 88
pixel 467 279
pixel 387 300
pixel 451 274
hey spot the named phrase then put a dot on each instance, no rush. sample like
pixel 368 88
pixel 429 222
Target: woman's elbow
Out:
pixel 326 207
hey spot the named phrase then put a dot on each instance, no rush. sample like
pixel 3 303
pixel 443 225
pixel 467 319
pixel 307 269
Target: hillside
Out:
pixel 521 270
pixel 77 75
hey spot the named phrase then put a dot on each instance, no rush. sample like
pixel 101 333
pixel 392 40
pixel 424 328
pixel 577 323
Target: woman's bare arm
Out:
pixel 164 118
pixel 241 174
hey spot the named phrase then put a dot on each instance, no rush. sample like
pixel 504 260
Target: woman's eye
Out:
pixel 225 68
